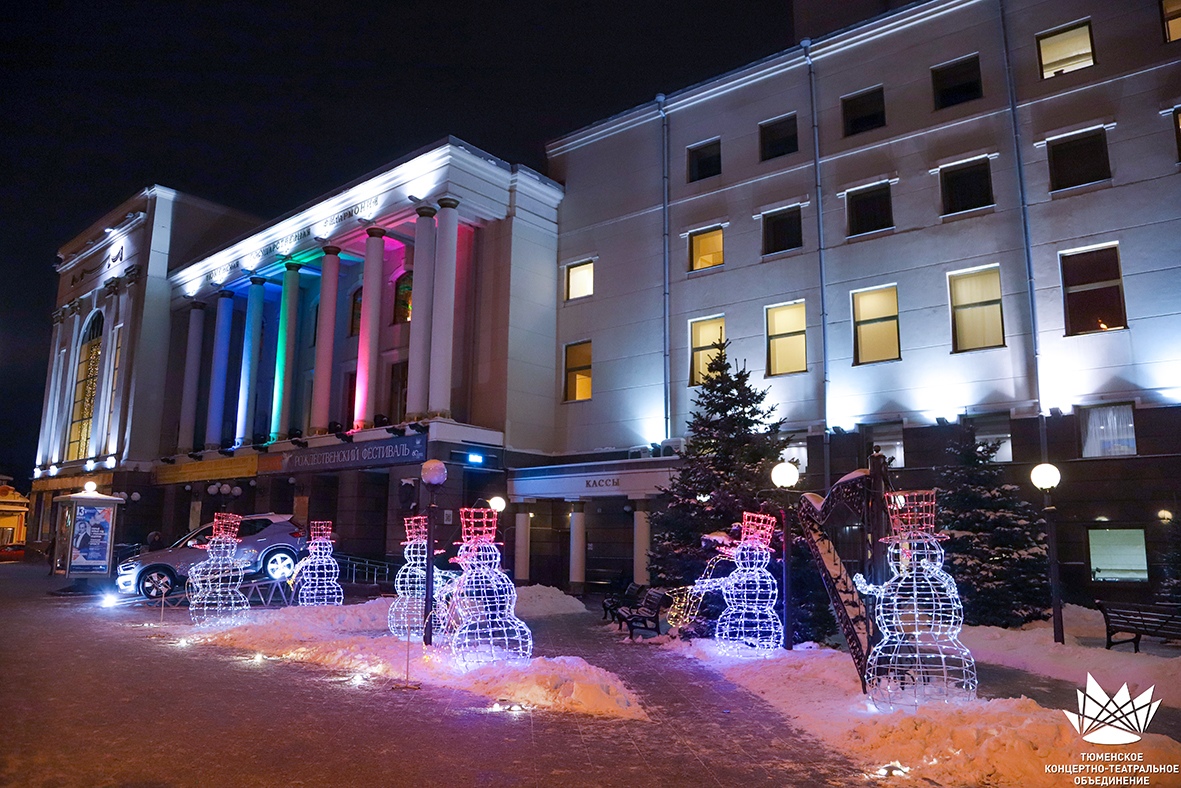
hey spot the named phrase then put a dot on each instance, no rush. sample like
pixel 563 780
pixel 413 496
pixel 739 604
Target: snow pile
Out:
pixel 542 601
pixel 986 742
pixel 568 683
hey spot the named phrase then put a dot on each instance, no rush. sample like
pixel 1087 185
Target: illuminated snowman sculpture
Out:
pixel 318 574
pixel 405 616
pixel 919 658
pixel 215 584
pixel 483 599
pixel 748 627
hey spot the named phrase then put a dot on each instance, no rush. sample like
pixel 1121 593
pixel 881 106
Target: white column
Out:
pixel 522 547
pixel 368 358
pixel 325 338
pixel 215 415
pixel 577 547
pixel 251 347
pixel 641 542
pixel 285 354
pixel 135 294
pixel 421 301
pixel 188 396
pixel 443 309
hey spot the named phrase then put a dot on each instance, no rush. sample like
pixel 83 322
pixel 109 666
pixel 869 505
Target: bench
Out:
pixel 645 615
pixel 628 598
pixel 1154 620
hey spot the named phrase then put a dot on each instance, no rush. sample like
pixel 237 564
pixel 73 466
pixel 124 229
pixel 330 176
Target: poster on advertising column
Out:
pixel 91 539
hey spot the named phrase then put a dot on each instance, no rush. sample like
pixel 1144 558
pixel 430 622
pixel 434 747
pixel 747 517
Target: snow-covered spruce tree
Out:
pixel 997 546
pixel 1170 587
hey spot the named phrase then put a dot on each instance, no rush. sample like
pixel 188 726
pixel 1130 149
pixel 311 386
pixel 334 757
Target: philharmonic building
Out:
pixel 921 216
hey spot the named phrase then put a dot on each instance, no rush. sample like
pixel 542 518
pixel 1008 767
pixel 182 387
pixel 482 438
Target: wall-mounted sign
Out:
pixel 391 451
pixel 359 209
pixel 602 482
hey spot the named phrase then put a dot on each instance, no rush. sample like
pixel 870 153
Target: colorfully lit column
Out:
pixel 365 402
pixel 251 347
pixel 577 547
pixel 521 547
pixel 641 542
pixel 221 364
pixel 188 396
pixel 443 309
pixel 421 301
pixel 325 338
pixel 285 354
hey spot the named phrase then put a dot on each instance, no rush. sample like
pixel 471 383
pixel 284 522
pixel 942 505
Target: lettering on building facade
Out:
pixel 392 451
pixel 611 481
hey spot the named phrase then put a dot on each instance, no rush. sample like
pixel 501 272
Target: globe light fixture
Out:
pixel 434 472
pixel 497 503
pixel 90 487
pixel 1045 477
pixel 785 474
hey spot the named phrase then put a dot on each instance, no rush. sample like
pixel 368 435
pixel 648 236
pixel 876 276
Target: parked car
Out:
pixel 270 542
pixel 12 552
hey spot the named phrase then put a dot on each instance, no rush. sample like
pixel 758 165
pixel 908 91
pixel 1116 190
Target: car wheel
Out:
pixel 157 582
pixel 279 565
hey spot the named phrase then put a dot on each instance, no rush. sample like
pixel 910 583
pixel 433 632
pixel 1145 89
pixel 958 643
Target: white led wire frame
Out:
pixel 482 601
pixel 318 576
pixel 215 585
pixel 686 603
pixel 749 626
pixel 919 659
pixel 406 611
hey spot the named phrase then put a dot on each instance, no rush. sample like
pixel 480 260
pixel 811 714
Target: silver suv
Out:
pixel 270 542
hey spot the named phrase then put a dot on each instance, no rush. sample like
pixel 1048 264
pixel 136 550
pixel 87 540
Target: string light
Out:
pixel 405 616
pixel 318 574
pixel 748 627
pixel 215 584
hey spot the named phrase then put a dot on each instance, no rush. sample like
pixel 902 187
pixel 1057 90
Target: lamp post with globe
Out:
pixel 434 475
pixel 785 475
pixel 1045 477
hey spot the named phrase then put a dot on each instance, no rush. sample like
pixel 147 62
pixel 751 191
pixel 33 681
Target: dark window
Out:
pixel 869 209
pixel 1177 130
pixel 350 396
pixel 778 138
pixel 1171 15
pixel 1079 159
pixel 1093 291
pixel 864 111
pixel 355 313
pixel 782 230
pixel 956 82
pixel 705 161
pixel 966 186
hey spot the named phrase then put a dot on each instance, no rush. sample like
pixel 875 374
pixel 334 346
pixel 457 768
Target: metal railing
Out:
pixel 365 570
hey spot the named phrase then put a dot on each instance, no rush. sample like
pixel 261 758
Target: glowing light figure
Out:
pixel 318 574
pixel 919 658
pixel 484 600
pixel 748 627
pixel 215 584
pixel 406 613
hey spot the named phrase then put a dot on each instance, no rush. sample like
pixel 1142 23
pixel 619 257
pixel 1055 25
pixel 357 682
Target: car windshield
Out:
pixel 202 535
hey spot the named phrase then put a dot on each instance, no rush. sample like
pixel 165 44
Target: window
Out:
pixel 976 320
pixel 1092 291
pixel 580 280
pixel 397 407
pixel 786 348
pixel 1108 431
pixel 315 323
pixel 85 389
pixel 1079 159
pixel 995 428
pixel 889 438
pixel 875 325
pixel 869 209
pixel 864 111
pixel 956 82
pixel 355 313
pixel 779 138
pixel 1177 128
pixel 1171 15
pixel 796 451
pixel 782 230
pixel 578 371
pixel 1118 554
pixel 403 297
pixel 704 335
pixel 705 160
pixel 1066 50
pixel 705 249
pixel 966 186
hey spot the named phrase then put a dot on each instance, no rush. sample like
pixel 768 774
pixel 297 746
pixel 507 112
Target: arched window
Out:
pixel 355 313
pixel 85 389
pixel 403 286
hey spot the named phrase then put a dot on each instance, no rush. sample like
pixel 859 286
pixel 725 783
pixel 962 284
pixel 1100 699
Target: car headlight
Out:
pixel 127 568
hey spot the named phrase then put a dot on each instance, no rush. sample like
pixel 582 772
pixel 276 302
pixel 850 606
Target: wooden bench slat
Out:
pixel 1138 619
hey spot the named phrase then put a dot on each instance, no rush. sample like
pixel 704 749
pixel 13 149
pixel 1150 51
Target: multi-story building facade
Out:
pixel 959 211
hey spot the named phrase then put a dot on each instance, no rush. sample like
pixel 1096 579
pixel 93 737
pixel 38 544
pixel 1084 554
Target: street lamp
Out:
pixel 784 475
pixel 433 474
pixel 1045 477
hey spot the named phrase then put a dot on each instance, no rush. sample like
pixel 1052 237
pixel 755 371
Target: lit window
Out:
pixel 796 451
pixel 976 320
pixel 578 371
pixel 1118 554
pixel 778 138
pixel 705 161
pixel 580 280
pixel 864 111
pixel 956 82
pixel 1108 431
pixel 85 389
pixel 995 428
pixel 786 346
pixel 1077 160
pixel 704 337
pixel 782 230
pixel 875 325
pixel 1171 16
pixel 869 209
pixel 355 313
pixel 1093 291
pixel 1066 50
pixel 705 249
pixel 888 437
pixel 403 297
pixel 966 186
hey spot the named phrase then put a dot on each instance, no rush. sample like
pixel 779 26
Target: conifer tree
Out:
pixel 1170 588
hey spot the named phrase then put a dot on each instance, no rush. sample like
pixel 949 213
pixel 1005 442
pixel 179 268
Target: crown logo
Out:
pixel 1117 719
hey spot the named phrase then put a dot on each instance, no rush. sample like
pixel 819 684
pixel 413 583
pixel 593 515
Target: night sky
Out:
pixel 263 107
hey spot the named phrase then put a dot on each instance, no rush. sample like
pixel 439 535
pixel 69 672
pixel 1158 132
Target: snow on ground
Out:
pixel 541 601
pixel 354 639
pixel 996 743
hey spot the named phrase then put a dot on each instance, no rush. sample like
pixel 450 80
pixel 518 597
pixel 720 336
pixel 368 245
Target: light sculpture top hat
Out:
pixel 757 529
pixel 320 529
pixel 416 526
pixel 478 525
pixel 912 512
pixel 226 525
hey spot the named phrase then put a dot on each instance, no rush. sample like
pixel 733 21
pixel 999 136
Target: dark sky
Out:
pixel 263 107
